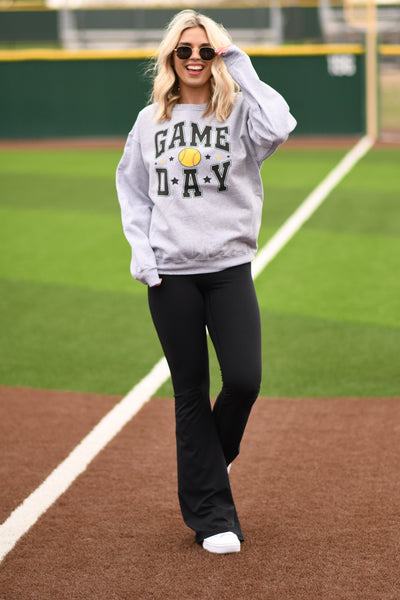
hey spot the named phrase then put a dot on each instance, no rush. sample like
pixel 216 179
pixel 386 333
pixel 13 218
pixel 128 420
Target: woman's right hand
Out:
pixel 157 284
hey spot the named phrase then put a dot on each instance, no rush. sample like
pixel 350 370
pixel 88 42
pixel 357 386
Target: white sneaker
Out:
pixel 222 543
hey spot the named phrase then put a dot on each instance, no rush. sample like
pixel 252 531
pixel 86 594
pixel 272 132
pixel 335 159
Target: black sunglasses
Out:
pixel 185 52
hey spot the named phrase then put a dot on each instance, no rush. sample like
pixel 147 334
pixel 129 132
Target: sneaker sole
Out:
pixel 216 549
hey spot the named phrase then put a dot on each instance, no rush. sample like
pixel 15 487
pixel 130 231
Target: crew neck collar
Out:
pixel 191 106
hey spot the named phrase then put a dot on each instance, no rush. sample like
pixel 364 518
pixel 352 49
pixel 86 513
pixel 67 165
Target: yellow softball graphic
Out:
pixel 189 157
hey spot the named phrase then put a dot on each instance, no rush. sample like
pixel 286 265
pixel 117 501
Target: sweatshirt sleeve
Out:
pixel 136 208
pixel 270 121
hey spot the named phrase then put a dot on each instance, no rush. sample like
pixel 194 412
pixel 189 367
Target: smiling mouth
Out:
pixel 195 68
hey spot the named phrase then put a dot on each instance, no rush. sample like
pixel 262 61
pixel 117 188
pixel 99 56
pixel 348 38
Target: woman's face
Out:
pixel 193 73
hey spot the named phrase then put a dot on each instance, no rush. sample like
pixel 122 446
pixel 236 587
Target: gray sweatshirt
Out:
pixel 190 188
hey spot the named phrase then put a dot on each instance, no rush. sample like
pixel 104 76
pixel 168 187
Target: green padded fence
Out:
pixel 69 94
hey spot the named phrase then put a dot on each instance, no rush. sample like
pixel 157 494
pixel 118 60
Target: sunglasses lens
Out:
pixel 183 52
pixel 207 53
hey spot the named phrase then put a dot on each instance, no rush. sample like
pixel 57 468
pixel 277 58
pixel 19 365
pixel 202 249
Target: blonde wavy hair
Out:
pixel 165 81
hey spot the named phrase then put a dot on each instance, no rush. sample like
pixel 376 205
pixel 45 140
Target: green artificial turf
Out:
pixel 367 200
pixel 329 301
pixel 60 337
pixel 72 248
pixel 335 276
pixel 73 318
pixel 288 177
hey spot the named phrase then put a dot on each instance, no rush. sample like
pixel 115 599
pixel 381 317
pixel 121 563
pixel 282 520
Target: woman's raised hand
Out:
pixel 221 50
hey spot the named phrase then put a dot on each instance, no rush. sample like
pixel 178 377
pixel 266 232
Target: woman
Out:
pixel 191 199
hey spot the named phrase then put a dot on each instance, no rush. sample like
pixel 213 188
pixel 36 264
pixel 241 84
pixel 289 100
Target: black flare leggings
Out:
pixel 207 438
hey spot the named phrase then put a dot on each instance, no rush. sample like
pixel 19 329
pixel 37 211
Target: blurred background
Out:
pixel 65 64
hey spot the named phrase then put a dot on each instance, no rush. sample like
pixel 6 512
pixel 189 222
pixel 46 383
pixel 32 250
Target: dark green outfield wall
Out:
pixel 322 103
pixel 69 98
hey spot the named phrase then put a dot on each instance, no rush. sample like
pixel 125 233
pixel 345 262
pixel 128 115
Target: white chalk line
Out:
pixel 35 505
pixel 310 205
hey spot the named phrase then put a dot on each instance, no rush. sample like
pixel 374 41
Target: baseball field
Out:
pixel 316 484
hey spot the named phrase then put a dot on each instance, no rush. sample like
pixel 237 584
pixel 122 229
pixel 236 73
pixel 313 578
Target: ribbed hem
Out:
pixel 206 266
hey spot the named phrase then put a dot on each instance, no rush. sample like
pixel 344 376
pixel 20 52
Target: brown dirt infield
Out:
pixel 38 429
pixel 316 487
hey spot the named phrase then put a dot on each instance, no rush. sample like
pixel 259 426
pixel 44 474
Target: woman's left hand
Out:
pixel 222 50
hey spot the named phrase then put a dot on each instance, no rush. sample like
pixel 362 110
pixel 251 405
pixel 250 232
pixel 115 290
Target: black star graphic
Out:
pixel 174 181
pixel 171 158
pixel 207 179
pixel 208 157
